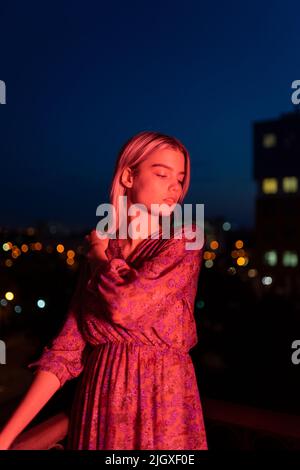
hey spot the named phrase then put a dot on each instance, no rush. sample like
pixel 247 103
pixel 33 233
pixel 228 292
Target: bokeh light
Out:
pixel 9 295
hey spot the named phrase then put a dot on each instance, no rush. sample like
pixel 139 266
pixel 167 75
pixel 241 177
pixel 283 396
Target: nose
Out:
pixel 175 187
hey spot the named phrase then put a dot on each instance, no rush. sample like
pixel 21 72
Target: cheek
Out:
pixel 149 190
pixel 152 191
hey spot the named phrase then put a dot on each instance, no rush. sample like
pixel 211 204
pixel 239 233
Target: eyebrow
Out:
pixel 166 166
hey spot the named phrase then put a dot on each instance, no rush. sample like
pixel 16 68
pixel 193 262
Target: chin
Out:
pixel 166 212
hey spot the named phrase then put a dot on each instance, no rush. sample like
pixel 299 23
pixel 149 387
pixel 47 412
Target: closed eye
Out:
pixel 165 176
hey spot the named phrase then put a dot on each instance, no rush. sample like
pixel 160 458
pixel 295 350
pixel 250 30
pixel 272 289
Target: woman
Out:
pixel 130 324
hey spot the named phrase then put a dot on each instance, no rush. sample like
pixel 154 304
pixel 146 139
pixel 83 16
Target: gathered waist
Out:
pixel 134 346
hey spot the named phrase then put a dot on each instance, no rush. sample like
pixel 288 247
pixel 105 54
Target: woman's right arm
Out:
pixel 43 387
pixel 61 362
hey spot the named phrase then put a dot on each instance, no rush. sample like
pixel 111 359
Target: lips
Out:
pixel 170 200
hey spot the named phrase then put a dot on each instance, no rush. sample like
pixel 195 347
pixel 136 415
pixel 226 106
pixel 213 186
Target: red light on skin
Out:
pixel 170 201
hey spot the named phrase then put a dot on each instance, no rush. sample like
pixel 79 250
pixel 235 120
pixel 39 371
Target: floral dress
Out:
pixel 127 334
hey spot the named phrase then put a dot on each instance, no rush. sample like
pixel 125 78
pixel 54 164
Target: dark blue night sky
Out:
pixel 83 77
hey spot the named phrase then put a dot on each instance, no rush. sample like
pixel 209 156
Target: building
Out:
pixel 277 172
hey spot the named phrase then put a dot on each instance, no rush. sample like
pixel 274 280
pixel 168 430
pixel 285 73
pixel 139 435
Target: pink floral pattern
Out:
pixel 128 332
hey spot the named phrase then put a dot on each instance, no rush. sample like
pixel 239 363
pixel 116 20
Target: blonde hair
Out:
pixel 135 151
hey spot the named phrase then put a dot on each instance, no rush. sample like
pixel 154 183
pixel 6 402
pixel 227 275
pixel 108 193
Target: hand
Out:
pixel 4 443
pixel 97 248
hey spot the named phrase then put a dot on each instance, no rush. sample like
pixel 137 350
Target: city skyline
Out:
pixel 81 82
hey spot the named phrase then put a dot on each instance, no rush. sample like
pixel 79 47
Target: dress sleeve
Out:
pixel 136 298
pixel 64 357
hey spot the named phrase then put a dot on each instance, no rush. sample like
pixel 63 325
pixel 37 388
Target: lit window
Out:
pixel 269 140
pixel 290 258
pixel 270 185
pixel 290 184
pixel 270 258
